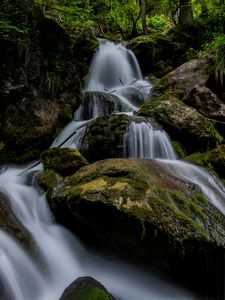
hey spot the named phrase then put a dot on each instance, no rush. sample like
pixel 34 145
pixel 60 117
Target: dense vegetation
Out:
pixel 124 18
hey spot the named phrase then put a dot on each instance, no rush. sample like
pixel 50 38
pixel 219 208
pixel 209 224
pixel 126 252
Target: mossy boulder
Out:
pixel 107 136
pixel 213 160
pixel 183 123
pixel 104 137
pixel 159 53
pixel 143 212
pixel 86 288
pixel 184 78
pixel 65 161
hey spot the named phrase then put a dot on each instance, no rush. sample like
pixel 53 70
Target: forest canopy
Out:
pixel 125 19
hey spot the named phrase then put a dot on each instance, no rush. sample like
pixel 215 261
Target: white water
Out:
pixel 143 141
pixel 60 257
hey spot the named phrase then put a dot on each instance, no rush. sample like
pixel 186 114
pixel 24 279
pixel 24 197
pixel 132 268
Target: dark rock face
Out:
pixel 101 102
pixel 65 161
pixel 142 211
pixel 39 88
pixel 104 137
pixel 86 288
pixel 11 225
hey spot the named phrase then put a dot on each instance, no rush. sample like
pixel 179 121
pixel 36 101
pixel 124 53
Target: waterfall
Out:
pixel 143 141
pixel 59 257
pixel 113 66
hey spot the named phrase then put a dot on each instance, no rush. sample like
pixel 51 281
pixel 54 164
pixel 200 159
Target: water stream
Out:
pixel 60 258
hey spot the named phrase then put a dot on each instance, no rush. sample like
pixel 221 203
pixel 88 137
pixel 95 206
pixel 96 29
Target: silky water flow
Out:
pixel 58 257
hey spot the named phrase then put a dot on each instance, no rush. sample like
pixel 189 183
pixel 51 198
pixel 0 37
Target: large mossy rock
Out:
pixel 107 136
pixel 104 137
pixel 86 288
pixel 65 161
pixel 159 53
pixel 40 86
pixel 213 160
pixel 144 212
pixel 184 78
pixel 183 123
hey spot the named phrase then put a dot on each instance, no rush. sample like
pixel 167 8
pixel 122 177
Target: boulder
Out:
pixel 96 104
pixel 65 161
pixel 144 212
pixel 184 78
pixel 86 288
pixel 104 137
pixel 160 53
pixel 208 104
pixel 183 123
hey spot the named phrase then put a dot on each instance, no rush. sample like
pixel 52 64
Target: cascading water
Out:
pixel 60 258
pixel 116 67
pixel 143 141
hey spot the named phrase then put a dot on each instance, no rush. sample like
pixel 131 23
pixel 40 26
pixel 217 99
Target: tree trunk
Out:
pixel 143 16
pixel 87 3
pixel 185 15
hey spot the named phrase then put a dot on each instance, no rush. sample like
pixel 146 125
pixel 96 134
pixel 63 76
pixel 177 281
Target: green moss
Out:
pixel 196 210
pixel 92 293
pixel 192 226
pixel 199 196
pixel 179 149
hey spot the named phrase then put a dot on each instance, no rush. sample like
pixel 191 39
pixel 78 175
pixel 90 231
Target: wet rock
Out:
pixel 11 225
pixel 145 213
pixel 104 136
pixel 86 288
pixel 95 104
pixel 183 123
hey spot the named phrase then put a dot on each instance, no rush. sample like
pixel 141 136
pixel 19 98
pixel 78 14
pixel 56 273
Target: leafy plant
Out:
pixel 158 23
pixel 125 16
pixel 217 49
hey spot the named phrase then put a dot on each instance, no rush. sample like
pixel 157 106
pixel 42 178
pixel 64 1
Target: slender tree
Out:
pixel 143 16
pixel 185 14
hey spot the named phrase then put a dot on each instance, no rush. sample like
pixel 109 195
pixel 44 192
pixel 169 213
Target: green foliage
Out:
pixel 217 48
pixel 67 13
pixel 15 23
pixel 159 23
pixel 124 16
